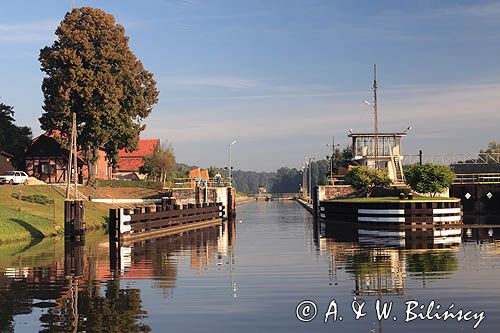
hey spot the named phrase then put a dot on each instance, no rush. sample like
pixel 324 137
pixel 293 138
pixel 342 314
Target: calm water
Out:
pixel 249 276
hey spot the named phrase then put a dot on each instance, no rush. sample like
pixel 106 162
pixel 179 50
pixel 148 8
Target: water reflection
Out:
pixel 249 280
pixel 78 287
pixel 380 260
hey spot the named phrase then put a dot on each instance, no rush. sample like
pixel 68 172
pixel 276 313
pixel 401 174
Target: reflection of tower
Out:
pixel 227 241
pixel 380 272
pixel 73 270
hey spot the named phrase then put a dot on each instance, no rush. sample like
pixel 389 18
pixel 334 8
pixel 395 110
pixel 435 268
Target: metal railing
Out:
pixel 453 158
pixel 275 195
pixel 194 182
pixel 478 178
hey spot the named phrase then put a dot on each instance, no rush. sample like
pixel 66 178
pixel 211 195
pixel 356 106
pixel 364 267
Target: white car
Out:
pixel 14 177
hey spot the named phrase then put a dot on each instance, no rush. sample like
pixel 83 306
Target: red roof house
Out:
pixel 129 163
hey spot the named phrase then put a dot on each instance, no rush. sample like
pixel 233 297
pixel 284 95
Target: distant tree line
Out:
pixel 283 180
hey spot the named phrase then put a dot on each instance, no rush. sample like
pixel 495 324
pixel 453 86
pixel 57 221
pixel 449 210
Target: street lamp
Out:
pixel 230 177
pixel 333 145
pixel 310 175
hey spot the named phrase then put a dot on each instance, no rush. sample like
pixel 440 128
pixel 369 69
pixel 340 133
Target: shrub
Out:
pixel 362 178
pixel 41 199
pixel 429 178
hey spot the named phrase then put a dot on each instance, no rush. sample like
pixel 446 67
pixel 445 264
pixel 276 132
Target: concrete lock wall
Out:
pixel 478 198
pixel 330 192
pixel 198 195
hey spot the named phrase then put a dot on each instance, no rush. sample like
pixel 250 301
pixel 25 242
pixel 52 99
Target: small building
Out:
pixel 6 162
pixel 47 160
pixel 389 152
pixel 130 163
pixel 196 175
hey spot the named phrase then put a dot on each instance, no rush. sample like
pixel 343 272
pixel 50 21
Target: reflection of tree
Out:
pixel 368 263
pixel 444 262
pixel 119 310
pixel 14 300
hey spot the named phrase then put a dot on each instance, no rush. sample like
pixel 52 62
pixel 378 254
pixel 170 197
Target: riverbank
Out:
pixel 305 204
pixel 37 211
pixel 243 199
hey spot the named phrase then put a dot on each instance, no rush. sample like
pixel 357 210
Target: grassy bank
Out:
pixel 21 220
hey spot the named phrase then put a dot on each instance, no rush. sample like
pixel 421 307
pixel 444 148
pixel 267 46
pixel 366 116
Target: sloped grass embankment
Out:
pixel 21 219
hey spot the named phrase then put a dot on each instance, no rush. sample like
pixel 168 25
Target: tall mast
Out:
pixel 375 114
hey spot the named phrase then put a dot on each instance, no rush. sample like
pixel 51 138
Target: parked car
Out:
pixel 14 177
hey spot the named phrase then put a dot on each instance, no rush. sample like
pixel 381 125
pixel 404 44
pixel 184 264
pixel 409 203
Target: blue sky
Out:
pixel 282 77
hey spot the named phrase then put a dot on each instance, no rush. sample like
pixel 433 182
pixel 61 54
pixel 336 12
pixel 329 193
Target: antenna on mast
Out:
pixel 375 114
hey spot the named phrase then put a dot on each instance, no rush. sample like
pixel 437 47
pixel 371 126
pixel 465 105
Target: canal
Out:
pixel 249 276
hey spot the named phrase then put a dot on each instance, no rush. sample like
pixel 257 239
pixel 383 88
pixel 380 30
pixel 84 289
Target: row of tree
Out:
pixel 426 178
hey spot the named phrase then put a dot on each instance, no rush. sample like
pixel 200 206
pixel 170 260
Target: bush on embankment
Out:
pixel 24 219
pixel 130 183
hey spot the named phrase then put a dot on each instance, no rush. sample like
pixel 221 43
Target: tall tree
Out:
pixel 92 71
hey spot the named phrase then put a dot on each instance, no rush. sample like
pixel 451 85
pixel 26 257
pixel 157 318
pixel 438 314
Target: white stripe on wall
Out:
pixel 448 232
pixel 446 210
pixel 447 240
pixel 381 233
pixel 380 219
pixel 447 218
pixel 382 211
pixel 386 241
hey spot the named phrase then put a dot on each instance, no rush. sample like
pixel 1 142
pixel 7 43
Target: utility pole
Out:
pixel 72 160
pixel 75 155
pixel 375 114
pixel 70 164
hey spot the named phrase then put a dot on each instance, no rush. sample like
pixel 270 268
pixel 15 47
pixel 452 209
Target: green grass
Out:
pixel 396 199
pixel 45 252
pixel 15 225
pixel 130 183
pixel 20 220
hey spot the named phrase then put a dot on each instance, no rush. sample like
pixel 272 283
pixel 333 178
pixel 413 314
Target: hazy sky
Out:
pixel 282 77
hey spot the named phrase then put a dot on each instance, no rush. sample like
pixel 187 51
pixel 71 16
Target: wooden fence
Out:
pixel 143 222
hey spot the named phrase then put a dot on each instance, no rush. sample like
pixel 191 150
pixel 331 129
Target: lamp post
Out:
pixel 310 175
pixel 305 186
pixel 333 145
pixel 230 177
